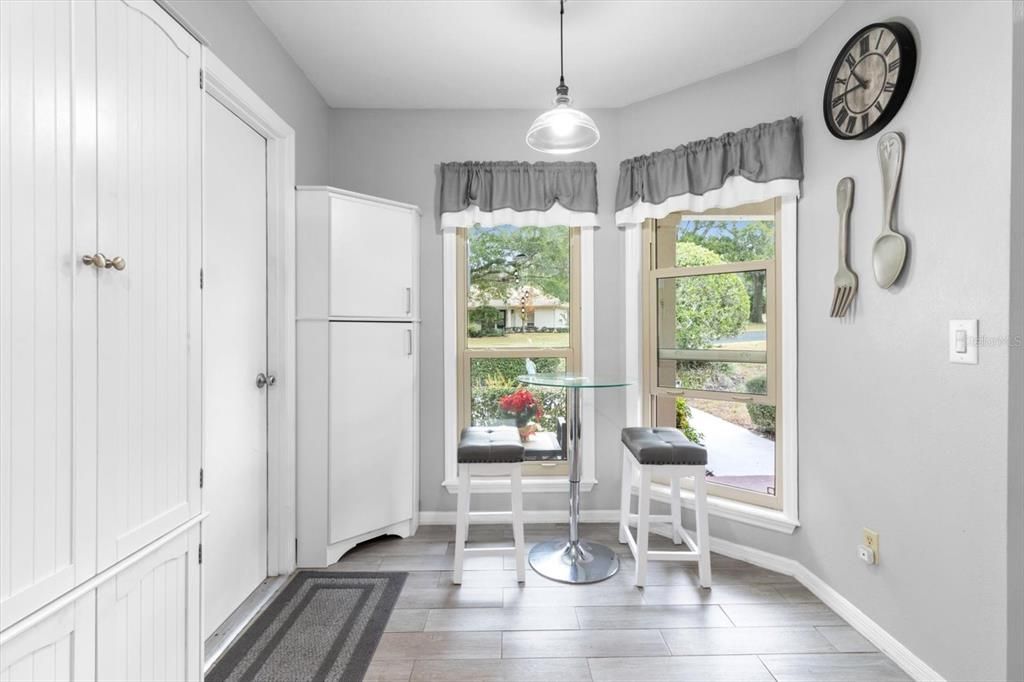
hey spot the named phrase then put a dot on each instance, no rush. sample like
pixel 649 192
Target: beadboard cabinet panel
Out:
pixel 148 616
pixel 47 312
pixel 149 154
pixel 58 648
pixel 100 157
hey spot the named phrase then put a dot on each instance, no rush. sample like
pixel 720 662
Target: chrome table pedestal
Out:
pixel 573 560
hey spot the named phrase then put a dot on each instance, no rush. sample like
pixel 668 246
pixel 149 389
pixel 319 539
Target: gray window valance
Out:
pixel 518 193
pixel 748 165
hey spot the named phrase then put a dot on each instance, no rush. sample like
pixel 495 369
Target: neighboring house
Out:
pixel 527 307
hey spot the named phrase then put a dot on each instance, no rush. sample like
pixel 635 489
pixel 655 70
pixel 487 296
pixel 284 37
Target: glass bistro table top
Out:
pixel 571 381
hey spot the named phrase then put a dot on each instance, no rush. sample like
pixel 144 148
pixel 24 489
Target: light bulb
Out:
pixel 562 123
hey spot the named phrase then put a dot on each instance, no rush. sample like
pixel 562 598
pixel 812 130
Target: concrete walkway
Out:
pixel 734 450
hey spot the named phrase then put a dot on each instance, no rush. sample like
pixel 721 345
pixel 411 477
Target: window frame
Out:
pixel 637 256
pixel 531 484
pixel 466 355
pixel 655 391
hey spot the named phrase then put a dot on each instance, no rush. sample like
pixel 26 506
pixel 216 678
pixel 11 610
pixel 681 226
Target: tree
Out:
pixel 487 318
pixel 736 241
pixel 504 259
pixel 708 307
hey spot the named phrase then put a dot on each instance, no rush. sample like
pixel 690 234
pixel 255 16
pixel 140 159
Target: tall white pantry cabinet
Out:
pixel 357 342
pixel 100 404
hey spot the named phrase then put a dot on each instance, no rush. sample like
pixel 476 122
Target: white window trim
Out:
pixel 785 520
pixel 531 484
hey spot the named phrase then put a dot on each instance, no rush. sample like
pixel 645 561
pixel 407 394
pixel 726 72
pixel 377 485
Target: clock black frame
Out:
pixel 908 67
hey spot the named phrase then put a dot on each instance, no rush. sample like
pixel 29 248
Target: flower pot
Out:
pixel 526 432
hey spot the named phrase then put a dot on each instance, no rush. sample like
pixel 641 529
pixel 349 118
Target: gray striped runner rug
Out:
pixel 322 626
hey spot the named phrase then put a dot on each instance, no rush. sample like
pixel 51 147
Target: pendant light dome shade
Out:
pixel 563 129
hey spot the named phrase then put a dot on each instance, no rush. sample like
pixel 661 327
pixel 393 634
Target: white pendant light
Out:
pixel 563 129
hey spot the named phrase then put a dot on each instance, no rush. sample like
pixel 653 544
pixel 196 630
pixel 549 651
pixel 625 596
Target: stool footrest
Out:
pixel 490 514
pixel 672 555
pixel 490 550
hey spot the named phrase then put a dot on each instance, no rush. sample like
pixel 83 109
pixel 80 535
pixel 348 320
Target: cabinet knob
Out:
pixel 97 260
pixel 101 262
pixel 263 380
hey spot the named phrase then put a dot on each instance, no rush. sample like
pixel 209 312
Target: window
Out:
pixel 712 357
pixel 517 313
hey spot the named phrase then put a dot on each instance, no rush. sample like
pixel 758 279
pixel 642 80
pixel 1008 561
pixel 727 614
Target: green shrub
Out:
pixel 683 414
pixel 708 307
pixel 491 379
pixel 763 416
pixel 484 408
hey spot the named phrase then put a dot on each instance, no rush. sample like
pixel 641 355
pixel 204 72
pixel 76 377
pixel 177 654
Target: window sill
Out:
pixel 731 510
pixel 531 484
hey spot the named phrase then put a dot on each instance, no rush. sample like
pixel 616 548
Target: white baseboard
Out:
pixel 872 631
pixel 447 518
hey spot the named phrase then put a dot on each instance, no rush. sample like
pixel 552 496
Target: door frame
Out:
pixel 223 85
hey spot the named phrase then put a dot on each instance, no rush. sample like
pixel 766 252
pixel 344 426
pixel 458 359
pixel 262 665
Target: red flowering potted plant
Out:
pixel 524 408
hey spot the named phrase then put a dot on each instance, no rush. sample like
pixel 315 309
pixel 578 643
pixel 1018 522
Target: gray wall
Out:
pixel 238 37
pixel 394 154
pixel 891 435
pixel 1015 461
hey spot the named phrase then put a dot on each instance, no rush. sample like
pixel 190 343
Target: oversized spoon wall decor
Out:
pixel 890 250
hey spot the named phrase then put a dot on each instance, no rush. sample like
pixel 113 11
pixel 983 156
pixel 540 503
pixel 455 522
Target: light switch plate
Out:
pixel 960 352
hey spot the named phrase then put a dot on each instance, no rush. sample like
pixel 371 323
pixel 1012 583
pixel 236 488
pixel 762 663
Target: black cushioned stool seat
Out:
pixel 661 445
pixel 490 445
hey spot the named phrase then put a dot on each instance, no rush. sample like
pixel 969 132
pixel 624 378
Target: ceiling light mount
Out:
pixel 563 129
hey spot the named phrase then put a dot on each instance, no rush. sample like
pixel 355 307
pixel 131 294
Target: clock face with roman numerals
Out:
pixel 869 80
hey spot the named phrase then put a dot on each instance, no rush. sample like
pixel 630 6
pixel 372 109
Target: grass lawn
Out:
pixel 524 340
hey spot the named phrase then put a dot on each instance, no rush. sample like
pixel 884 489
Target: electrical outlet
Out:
pixel 871 542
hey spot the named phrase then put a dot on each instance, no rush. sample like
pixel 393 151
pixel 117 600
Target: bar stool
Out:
pixel 664 452
pixel 490 451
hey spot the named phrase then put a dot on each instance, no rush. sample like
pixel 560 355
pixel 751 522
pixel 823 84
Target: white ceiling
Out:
pixel 492 54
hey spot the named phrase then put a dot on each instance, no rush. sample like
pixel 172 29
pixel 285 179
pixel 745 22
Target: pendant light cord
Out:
pixel 562 89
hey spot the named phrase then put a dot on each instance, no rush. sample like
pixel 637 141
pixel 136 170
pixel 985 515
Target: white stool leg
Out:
pixel 643 525
pixel 700 494
pixel 461 523
pixel 626 495
pixel 517 521
pixel 677 513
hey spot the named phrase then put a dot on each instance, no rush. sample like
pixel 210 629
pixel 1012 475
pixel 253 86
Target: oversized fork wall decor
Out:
pixel 845 280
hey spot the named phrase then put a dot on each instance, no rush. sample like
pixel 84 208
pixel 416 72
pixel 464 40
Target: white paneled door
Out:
pixel 235 338
pixel 148 104
pixel 47 308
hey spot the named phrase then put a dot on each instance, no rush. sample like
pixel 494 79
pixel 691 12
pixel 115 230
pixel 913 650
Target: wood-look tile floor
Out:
pixel 752 625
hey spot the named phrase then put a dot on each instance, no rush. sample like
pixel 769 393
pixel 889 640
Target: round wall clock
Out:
pixel 869 80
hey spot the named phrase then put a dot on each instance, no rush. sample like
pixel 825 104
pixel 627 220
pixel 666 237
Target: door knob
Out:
pixel 265 380
pixel 97 260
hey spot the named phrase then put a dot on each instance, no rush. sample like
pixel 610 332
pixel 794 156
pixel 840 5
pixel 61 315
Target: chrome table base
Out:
pixel 573 560
pixel 577 563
